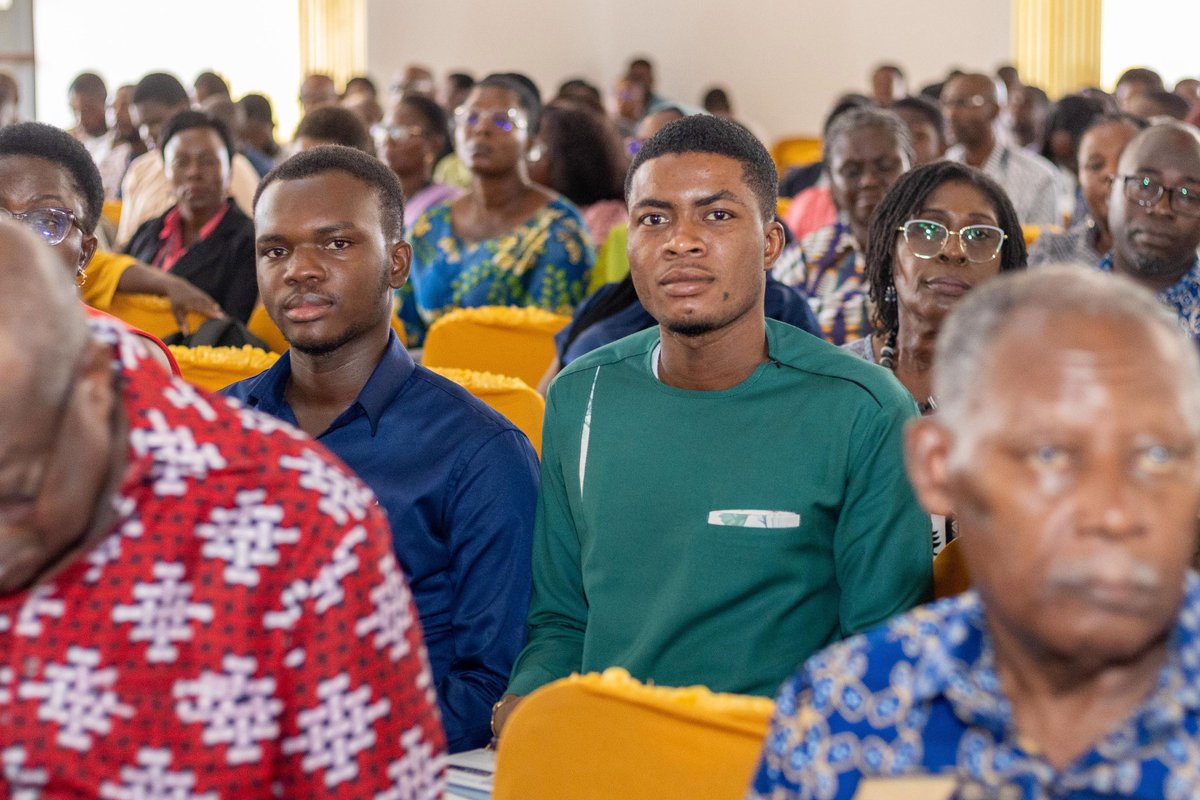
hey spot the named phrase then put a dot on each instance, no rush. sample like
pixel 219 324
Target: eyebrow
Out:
pixel 723 195
pixel 324 230
pixel 990 219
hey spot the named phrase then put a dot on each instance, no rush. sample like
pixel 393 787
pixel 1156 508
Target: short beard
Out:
pixel 1154 267
pixel 331 345
pixel 692 328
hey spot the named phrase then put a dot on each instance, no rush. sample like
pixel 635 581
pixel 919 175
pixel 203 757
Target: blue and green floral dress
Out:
pixel 544 262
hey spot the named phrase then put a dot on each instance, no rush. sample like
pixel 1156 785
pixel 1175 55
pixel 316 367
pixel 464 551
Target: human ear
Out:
pixel 927 446
pixel 401 260
pixel 774 242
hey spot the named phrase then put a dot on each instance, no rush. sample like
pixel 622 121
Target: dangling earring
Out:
pixel 80 277
pixel 889 294
pixel 535 152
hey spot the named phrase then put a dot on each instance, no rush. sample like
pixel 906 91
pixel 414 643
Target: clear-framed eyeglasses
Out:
pixel 51 224
pixel 927 239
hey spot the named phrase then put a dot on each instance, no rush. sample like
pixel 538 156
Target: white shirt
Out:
pixel 1030 181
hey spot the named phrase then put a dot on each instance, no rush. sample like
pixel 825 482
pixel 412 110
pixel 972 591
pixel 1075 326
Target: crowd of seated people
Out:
pixel 771 389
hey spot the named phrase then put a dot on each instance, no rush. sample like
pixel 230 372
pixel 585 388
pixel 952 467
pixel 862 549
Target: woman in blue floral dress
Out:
pixel 506 241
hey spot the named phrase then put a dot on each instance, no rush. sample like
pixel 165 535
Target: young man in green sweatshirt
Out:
pixel 722 495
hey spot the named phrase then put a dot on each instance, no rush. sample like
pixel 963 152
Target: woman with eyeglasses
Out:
pixel 410 143
pixel 940 231
pixel 506 241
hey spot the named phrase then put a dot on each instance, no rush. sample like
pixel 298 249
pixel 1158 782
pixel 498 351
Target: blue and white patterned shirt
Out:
pixel 920 696
pixel 1183 297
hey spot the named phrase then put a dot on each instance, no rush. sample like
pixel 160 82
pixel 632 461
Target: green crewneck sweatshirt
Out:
pixel 719 538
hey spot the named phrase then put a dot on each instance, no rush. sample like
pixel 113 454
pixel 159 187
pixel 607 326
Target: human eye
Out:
pixel 338 243
pixel 718 215
pixel 1157 459
pixel 652 219
pixel 930 231
pixel 979 233
pixel 851 171
pixel 1048 457
pixel 271 252
pixel 1189 197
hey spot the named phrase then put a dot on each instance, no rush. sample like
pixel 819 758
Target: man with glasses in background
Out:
pixel 1154 216
pixel 972 104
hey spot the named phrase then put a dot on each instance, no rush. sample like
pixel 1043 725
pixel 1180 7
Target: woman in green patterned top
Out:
pixel 506 241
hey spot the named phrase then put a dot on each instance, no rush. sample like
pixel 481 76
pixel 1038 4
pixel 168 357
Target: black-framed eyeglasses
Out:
pixel 51 224
pixel 927 239
pixel 35 478
pixel 506 120
pixel 1146 192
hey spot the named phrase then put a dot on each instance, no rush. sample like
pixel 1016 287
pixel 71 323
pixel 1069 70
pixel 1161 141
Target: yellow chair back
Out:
pixel 609 737
pixel 506 340
pixel 111 211
pixel 796 151
pixel 149 312
pixel 950 575
pixel 262 326
pixel 214 368
pixel 511 397
pixel 1033 232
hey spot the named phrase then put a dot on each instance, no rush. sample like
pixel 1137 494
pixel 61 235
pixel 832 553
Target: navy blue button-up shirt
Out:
pixel 459 484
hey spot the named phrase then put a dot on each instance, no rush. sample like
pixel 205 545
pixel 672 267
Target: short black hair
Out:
pixel 1071 114
pixel 88 83
pixel 160 87
pixel 60 148
pixel 931 111
pixel 702 133
pixel 1142 75
pixel 212 83
pixel 528 96
pixel 192 120
pixel 904 199
pixel 337 125
pixel 461 81
pixel 435 121
pixel 716 98
pixel 257 108
pixel 355 163
pixel 364 81
pixel 587 161
pixel 1137 123
pixel 1171 104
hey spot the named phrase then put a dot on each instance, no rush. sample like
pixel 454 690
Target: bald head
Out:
pixel 972 102
pixel 1155 238
pixel 42 330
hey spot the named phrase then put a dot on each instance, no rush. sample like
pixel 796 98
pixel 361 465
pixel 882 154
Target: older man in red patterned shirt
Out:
pixel 196 601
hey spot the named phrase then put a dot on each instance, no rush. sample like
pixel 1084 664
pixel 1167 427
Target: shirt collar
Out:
pixel 957 662
pixel 377 394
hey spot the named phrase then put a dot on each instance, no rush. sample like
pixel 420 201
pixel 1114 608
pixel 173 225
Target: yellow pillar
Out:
pixel 333 38
pixel 1056 43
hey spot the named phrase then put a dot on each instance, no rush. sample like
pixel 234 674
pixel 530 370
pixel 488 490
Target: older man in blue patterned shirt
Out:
pixel 1067 445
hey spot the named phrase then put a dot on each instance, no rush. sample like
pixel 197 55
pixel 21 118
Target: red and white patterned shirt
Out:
pixel 244 631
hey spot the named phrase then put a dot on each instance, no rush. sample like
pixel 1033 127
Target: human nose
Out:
pixel 1162 204
pixel 1108 502
pixel 955 251
pixel 685 240
pixel 304 266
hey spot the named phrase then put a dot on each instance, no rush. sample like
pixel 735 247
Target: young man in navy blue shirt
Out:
pixel 457 480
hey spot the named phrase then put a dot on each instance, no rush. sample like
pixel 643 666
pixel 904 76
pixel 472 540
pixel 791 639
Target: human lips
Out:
pixel 685 281
pixel 951 286
pixel 306 306
pixel 1151 239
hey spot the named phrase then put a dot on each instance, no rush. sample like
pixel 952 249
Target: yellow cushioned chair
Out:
pixel 1032 232
pixel 149 312
pixel 609 737
pixel 796 151
pixel 214 368
pixel 512 397
pixel 506 340
pixel 262 326
pixel 950 576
